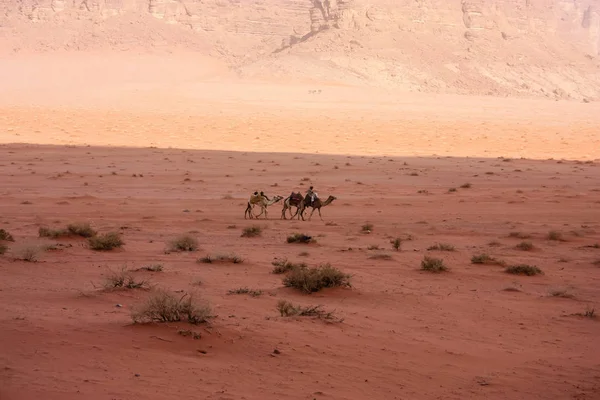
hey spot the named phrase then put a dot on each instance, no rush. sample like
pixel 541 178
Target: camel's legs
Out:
pixel 311 213
pixel 320 214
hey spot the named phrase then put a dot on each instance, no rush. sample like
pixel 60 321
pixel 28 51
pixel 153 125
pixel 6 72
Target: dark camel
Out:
pixel 316 205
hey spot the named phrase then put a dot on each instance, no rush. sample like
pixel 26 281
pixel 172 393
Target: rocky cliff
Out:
pixel 500 47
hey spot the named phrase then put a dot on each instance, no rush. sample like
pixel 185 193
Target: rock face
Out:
pixel 501 47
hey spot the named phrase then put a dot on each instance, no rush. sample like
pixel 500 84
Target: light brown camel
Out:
pixel 293 200
pixel 316 205
pixel 260 201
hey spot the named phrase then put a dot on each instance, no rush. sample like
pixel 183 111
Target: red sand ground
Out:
pixel 406 334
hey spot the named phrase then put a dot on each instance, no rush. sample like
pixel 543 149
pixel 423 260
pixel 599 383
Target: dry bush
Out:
pixel 183 243
pixel 555 235
pixel 442 247
pixel 165 306
pixel 288 309
pixel 524 269
pixel 123 280
pixel 221 258
pixel 519 235
pixel 310 280
pixel 485 259
pixel 152 268
pixel 373 247
pixel 465 186
pixel 381 256
pixel 3 248
pixel 108 241
pixel 525 246
pixel 396 244
pixel 300 238
pixel 564 293
pixel 82 229
pixel 187 332
pixel 245 290
pixel 283 266
pixel 433 265
pixel 367 228
pixel 252 231
pixel 451 190
pixel 29 253
pixel 4 235
pixel 52 233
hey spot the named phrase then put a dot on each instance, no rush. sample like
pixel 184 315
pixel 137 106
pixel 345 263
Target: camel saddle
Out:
pixel 295 198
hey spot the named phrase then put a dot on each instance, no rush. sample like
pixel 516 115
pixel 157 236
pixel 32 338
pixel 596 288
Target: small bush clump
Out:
pixel 29 253
pixel 381 256
pixel 288 309
pixel 433 265
pixel 300 238
pixel 245 290
pixel 183 243
pixel 152 268
pixel 123 280
pixel 555 235
pixel 82 229
pixel 367 228
pixel 442 247
pixel 465 186
pixel 222 258
pixel 108 241
pixel 252 231
pixel 525 246
pixel 396 244
pixel 310 280
pixel 485 259
pixel 519 235
pixel 283 266
pixel 4 235
pixel 52 233
pixel 3 248
pixel 165 306
pixel 524 269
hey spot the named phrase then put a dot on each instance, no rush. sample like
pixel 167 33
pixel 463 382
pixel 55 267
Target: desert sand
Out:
pixel 155 144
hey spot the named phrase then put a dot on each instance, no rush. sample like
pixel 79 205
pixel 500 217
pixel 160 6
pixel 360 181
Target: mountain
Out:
pixel 547 48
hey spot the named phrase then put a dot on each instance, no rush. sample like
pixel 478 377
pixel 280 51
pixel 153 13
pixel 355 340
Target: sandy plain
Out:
pixel 156 160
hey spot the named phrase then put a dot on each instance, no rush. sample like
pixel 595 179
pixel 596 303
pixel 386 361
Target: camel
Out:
pixel 293 200
pixel 316 205
pixel 262 202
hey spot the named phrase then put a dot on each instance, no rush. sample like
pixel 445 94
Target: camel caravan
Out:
pixel 301 203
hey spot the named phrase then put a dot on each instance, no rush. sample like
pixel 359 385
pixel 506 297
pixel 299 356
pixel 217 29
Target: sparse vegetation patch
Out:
pixel 433 265
pixel 82 229
pixel 165 306
pixel 485 259
pixel 152 268
pixel 4 235
pixel 519 235
pixel 555 235
pixel 245 290
pixel 183 243
pixel 525 246
pixel 221 258
pixel 381 256
pixel 300 238
pixel 3 248
pixel 367 228
pixel 524 269
pixel 396 244
pixel 310 280
pixel 123 279
pixel 283 266
pixel 288 309
pixel 108 241
pixel 252 231
pixel 442 247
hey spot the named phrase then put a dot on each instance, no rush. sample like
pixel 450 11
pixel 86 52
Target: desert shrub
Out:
pixel 367 228
pixel 300 238
pixel 525 246
pixel 52 233
pixel 4 235
pixel 564 293
pixel 283 266
pixel 590 313
pixel 373 247
pixel 252 231
pixel 245 290
pixel 451 190
pixel 310 280
pixel 152 268
pixel 165 306
pixel 3 248
pixel 187 332
pixel 221 258
pixel 519 235
pixel 524 269
pixel 288 309
pixel 108 241
pixel 82 229
pixel 380 256
pixel 442 247
pixel 183 243
pixel 433 264
pixel 123 280
pixel 396 243
pixel 28 253
pixel 465 186
pixel 485 259
pixel 555 235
